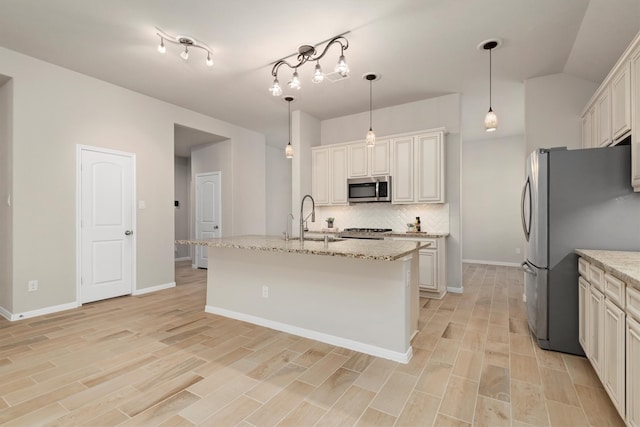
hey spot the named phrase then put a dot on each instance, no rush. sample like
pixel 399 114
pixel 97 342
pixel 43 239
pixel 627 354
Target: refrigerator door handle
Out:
pixel 527 269
pixel 526 226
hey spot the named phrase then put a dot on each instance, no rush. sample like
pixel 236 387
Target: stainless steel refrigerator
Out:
pixel 572 199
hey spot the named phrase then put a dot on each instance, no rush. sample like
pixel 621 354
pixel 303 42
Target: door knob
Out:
pixel 215 227
pixel 128 232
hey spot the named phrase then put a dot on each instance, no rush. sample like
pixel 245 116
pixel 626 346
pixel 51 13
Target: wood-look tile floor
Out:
pixel 158 359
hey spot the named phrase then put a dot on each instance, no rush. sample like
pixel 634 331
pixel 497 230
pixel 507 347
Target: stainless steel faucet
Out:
pixel 288 226
pixel 303 219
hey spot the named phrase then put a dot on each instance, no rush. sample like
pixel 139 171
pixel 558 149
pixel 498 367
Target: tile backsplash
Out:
pixel 433 218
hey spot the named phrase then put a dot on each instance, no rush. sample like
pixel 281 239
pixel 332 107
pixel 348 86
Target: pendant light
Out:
pixel 490 119
pixel 288 151
pixel 371 137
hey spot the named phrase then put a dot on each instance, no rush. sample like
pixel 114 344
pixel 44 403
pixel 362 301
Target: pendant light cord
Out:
pixel 490 78
pixel 289 102
pixel 370 104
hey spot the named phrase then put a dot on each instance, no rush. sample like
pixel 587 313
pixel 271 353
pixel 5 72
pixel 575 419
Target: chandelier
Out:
pixel 308 53
pixel 187 42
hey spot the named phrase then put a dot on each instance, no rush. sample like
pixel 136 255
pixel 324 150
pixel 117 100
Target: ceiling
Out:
pixel 422 49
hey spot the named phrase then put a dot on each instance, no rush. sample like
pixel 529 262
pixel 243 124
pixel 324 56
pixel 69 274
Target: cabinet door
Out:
pixel 603 118
pixel 428 270
pixel 595 328
pixel 613 367
pixel 587 130
pixel 621 102
pixel 358 160
pixel 402 182
pixel 338 190
pixel 430 168
pixel 583 300
pixel 633 373
pixel 380 158
pixel 320 175
pixel 635 123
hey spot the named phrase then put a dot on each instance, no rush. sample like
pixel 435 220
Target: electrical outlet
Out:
pixel 32 285
pixel 517 250
pixel 265 292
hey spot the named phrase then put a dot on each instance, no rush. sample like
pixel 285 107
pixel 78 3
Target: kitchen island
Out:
pixel 357 294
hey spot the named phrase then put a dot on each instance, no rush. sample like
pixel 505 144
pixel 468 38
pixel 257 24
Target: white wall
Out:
pixel 492 180
pixel 182 182
pixel 305 133
pixel 55 109
pixel 430 113
pixel 6 180
pixel 553 109
pixel 278 191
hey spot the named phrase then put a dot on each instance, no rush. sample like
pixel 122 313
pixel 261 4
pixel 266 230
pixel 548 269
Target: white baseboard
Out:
pixel 39 312
pixel 479 261
pixel 154 288
pixel 314 335
pixel 455 289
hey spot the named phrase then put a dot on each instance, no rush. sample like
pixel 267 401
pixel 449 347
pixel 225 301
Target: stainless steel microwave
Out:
pixel 374 189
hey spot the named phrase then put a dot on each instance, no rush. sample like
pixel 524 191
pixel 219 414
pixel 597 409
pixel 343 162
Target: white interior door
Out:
pixel 106 224
pixel 207 213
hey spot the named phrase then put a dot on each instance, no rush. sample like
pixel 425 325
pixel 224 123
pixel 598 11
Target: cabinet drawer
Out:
pixel 633 303
pixel 583 268
pixel 596 277
pixel 614 290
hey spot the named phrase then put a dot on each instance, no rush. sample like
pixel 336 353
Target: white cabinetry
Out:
pixel 633 372
pixel 329 175
pixel 621 102
pixel 595 327
pixel 369 161
pixel 587 129
pixel 320 175
pixel 418 168
pixel 433 266
pixel 603 118
pixel 583 308
pixel 610 336
pixel 338 177
pixel 635 121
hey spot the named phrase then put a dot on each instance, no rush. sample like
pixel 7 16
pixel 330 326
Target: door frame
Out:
pixel 79 149
pixel 196 217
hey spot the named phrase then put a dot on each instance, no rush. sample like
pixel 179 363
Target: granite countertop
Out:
pixel 624 265
pixel 423 234
pixel 384 250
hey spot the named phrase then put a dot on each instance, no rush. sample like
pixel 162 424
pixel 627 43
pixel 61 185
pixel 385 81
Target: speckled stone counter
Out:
pixel 621 264
pixel 384 250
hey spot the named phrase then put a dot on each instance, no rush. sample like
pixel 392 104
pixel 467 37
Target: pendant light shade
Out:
pixel 288 151
pixel 490 119
pixel 371 136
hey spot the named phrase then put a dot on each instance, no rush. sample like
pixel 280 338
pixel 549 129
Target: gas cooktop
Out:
pixel 368 230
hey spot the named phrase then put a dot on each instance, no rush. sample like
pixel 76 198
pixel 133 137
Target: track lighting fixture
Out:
pixel 308 53
pixel 490 119
pixel 371 137
pixel 288 151
pixel 186 42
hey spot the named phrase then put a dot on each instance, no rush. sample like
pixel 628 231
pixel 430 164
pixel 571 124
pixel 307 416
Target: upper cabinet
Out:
pixel 414 161
pixel 613 113
pixel 369 161
pixel 329 175
pixel 635 118
pixel 418 168
pixel 621 102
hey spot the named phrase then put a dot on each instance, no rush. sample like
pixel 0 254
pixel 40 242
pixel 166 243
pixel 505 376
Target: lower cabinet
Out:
pixel 595 328
pixel 433 266
pixel 633 372
pixel 613 369
pixel 609 332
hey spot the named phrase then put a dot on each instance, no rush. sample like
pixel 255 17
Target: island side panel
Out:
pixel 365 305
